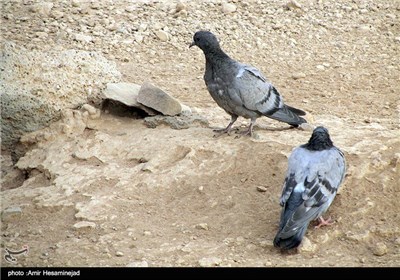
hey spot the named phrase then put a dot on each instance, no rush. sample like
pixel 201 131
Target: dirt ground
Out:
pixel 114 192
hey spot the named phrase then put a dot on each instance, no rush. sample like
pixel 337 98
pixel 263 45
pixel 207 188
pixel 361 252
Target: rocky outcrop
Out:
pixel 36 85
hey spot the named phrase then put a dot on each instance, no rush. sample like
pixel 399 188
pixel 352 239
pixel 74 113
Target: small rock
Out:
pixel 76 3
pixel 180 7
pixel 358 237
pixel 207 262
pixel 323 238
pixel 147 233
pixel 266 243
pixel 41 35
pixel 239 240
pixel 293 4
pixel 143 27
pixel 187 248
pixel 130 9
pixel 299 75
pixel 180 121
pixel 228 8
pixel 307 246
pixel 93 112
pixel 391 16
pixel 158 100
pixel 42 8
pixel 326 64
pixel 261 189
pixel 202 226
pixel 138 264
pixel 186 109
pixel 95 5
pixel 306 127
pixel 182 13
pixel 379 249
pixel 320 67
pixel 365 28
pixel 11 213
pixel 397 39
pixel 112 27
pixel 162 35
pixel 9 16
pixel 83 38
pixel 138 38
pixel 84 224
pixel 119 254
pixel 57 14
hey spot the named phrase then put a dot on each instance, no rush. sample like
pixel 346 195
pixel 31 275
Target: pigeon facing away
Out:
pixel 315 172
pixel 240 89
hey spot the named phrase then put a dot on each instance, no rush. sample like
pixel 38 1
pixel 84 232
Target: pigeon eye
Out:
pixel 197 39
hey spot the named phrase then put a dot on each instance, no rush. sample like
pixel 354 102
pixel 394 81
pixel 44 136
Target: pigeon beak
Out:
pixel 192 44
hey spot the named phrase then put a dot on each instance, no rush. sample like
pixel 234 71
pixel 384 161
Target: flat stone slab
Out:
pixel 126 93
pixel 155 98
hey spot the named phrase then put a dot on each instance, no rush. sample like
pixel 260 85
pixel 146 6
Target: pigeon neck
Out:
pixel 215 55
pixel 318 143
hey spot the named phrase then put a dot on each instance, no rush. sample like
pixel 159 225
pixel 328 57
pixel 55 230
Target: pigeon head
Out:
pixel 205 40
pixel 320 140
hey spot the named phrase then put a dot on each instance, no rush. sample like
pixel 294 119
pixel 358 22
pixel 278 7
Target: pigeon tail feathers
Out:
pixel 296 111
pixel 286 114
pixel 292 241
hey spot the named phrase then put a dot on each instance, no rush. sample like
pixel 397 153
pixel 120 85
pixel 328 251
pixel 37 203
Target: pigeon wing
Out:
pixel 255 91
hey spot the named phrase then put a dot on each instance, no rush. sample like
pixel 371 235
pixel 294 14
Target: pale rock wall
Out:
pixel 35 86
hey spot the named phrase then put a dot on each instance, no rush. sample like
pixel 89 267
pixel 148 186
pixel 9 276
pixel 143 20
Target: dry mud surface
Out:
pixel 109 191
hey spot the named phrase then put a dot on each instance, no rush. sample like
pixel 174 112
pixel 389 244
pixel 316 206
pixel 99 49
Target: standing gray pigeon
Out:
pixel 315 172
pixel 240 89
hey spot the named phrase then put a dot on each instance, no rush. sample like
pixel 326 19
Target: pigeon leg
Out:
pixel 249 131
pixel 229 127
pixel 323 222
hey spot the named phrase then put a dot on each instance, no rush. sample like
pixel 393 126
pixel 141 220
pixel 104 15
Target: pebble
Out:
pixel 261 189
pixel 180 7
pixel 266 243
pixel 138 264
pixel 228 8
pixel 83 38
pixel 293 4
pixel 90 109
pixel 57 14
pixel 138 38
pixel 299 75
pixel 202 226
pixel 84 224
pixel 147 233
pixel 211 261
pixel 162 35
pixel 10 213
pixel 119 254
pixel 379 249
pixel 307 246
pixel 76 3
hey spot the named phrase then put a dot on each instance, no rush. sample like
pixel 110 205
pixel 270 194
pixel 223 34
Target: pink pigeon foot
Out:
pixel 323 222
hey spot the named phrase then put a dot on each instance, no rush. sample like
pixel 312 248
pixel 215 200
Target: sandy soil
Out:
pixel 167 197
